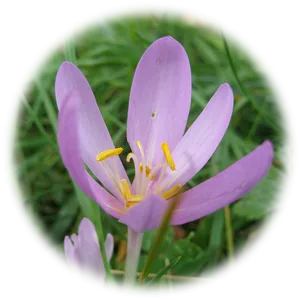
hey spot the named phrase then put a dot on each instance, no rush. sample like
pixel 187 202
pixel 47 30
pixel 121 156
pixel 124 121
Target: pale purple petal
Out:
pixel 70 251
pixel 109 246
pixel 88 247
pixel 68 141
pixel 203 137
pixel 226 187
pixel 94 136
pixel 146 215
pixel 85 250
pixel 160 98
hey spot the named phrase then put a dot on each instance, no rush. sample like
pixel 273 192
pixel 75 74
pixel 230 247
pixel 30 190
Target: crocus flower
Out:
pixel 165 158
pixel 83 249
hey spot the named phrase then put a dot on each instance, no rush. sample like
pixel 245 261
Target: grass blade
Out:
pixel 164 271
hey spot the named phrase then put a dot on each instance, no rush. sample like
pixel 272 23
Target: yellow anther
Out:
pixel 148 171
pixel 172 192
pixel 126 189
pixel 133 200
pixel 165 148
pixel 108 153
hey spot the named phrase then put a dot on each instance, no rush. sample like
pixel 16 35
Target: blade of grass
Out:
pixel 157 242
pixel 48 103
pixel 70 51
pixel 166 276
pixel 169 280
pixel 164 271
pixel 255 124
pixel 255 105
pixel 158 239
pixel 38 124
pixel 229 234
pixel 216 233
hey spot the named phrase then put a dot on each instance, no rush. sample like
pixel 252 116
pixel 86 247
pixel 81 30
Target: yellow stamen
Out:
pixel 148 171
pixel 172 192
pixel 133 200
pixel 165 148
pixel 126 189
pixel 108 153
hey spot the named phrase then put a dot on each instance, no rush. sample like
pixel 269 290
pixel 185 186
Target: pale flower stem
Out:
pixel 134 244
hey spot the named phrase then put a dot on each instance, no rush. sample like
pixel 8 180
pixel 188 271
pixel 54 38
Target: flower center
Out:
pixel 146 178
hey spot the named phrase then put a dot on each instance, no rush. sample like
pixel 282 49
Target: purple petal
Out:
pixel 146 215
pixel 160 98
pixel 70 251
pixel 88 247
pixel 94 136
pixel 68 140
pixel 226 187
pixel 203 137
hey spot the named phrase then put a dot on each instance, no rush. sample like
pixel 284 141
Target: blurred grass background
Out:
pixel 108 55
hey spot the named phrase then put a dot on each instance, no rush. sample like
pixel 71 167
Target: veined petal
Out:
pixel 94 136
pixel 146 215
pixel 203 137
pixel 69 146
pixel 160 98
pixel 226 187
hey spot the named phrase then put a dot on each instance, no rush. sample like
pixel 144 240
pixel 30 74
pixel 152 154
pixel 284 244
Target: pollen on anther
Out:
pixel 168 156
pixel 108 153
pixel 153 115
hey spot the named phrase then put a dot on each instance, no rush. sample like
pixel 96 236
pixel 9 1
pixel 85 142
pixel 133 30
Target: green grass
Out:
pixel 108 56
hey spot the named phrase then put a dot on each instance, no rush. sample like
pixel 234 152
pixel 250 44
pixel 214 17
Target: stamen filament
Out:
pixel 165 148
pixel 131 156
pixel 143 184
pixel 141 148
pixel 108 153
pixel 172 192
pixel 113 177
pixel 161 176
pixel 148 171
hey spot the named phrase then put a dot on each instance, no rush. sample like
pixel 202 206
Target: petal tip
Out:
pixel 66 66
pixel 168 41
pixel 267 144
pixel 110 239
pixel 226 85
pixel 68 246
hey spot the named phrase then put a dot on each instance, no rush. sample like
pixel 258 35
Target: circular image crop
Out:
pixel 148 150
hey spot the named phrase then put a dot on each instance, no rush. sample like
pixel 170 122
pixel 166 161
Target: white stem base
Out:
pixel 134 245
